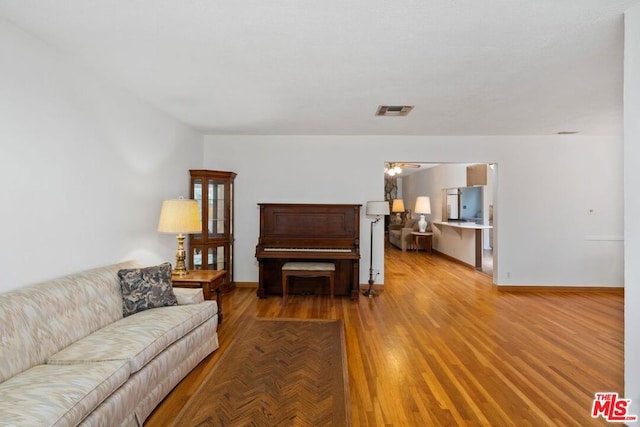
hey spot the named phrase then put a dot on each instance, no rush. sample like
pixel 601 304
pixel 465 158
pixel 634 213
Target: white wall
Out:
pixel 293 169
pixel 84 167
pixel 632 207
pixel 546 235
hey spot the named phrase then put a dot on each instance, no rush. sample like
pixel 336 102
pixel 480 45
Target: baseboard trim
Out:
pixel 378 288
pixel 528 288
pixel 246 284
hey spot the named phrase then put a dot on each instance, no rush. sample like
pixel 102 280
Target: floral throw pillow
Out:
pixel 145 288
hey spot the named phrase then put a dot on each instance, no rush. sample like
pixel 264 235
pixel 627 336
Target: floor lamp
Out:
pixel 378 210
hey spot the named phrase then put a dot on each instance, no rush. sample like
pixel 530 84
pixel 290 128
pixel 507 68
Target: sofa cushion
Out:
pixel 58 395
pixel 188 296
pixel 145 288
pixel 156 379
pixel 137 338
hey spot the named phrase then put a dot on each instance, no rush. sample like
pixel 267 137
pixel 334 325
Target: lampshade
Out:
pixel 180 216
pixel 377 208
pixel 423 205
pixel 398 205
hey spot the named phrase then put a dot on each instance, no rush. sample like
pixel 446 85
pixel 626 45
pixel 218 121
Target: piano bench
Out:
pixel 307 269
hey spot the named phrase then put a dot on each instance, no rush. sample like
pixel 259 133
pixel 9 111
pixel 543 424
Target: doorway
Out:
pixel 430 179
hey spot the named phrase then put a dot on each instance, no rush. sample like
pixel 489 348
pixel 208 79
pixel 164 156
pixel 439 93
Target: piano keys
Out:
pixel 309 232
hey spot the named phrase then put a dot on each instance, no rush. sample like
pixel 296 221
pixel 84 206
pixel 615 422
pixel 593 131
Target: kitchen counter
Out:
pixel 462 224
pixel 459 227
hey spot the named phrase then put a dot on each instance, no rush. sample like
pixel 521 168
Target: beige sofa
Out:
pixel 400 234
pixel 68 356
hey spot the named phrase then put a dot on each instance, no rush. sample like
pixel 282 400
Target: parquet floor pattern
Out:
pixel 442 347
pixel 276 373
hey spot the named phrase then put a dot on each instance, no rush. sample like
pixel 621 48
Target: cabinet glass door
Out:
pixel 214 257
pixel 216 260
pixel 217 221
pixel 196 258
pixel 197 196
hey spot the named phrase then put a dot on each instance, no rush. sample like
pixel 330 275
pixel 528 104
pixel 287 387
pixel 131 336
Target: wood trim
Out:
pixel 553 288
pixel 377 288
pixel 246 284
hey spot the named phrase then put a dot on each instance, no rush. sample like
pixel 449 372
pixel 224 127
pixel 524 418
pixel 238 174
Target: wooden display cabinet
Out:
pixel 212 249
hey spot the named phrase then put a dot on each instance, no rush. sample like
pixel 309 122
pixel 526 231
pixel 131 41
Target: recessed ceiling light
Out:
pixel 567 132
pixel 393 110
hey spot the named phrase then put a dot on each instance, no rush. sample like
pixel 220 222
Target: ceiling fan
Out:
pixel 395 168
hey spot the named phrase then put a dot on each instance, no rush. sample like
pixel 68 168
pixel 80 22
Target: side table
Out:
pixel 428 236
pixel 209 280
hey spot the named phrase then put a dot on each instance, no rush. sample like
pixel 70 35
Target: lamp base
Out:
pixel 180 273
pixel 181 268
pixel 370 292
pixel 422 224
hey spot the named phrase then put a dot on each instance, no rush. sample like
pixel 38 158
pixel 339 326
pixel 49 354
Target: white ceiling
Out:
pixel 470 67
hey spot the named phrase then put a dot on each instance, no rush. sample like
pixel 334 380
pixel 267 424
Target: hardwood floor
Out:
pixel 441 346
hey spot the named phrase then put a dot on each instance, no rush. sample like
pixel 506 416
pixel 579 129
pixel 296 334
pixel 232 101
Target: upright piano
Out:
pixel 309 232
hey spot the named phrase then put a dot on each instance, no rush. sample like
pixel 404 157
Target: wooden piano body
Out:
pixel 309 232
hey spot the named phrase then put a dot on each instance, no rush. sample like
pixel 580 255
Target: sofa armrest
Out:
pixel 186 296
pixel 406 232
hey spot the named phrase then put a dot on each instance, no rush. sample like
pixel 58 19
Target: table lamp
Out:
pixel 397 207
pixel 180 216
pixel 423 206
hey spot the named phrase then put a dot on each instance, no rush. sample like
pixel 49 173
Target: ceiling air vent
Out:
pixel 394 110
